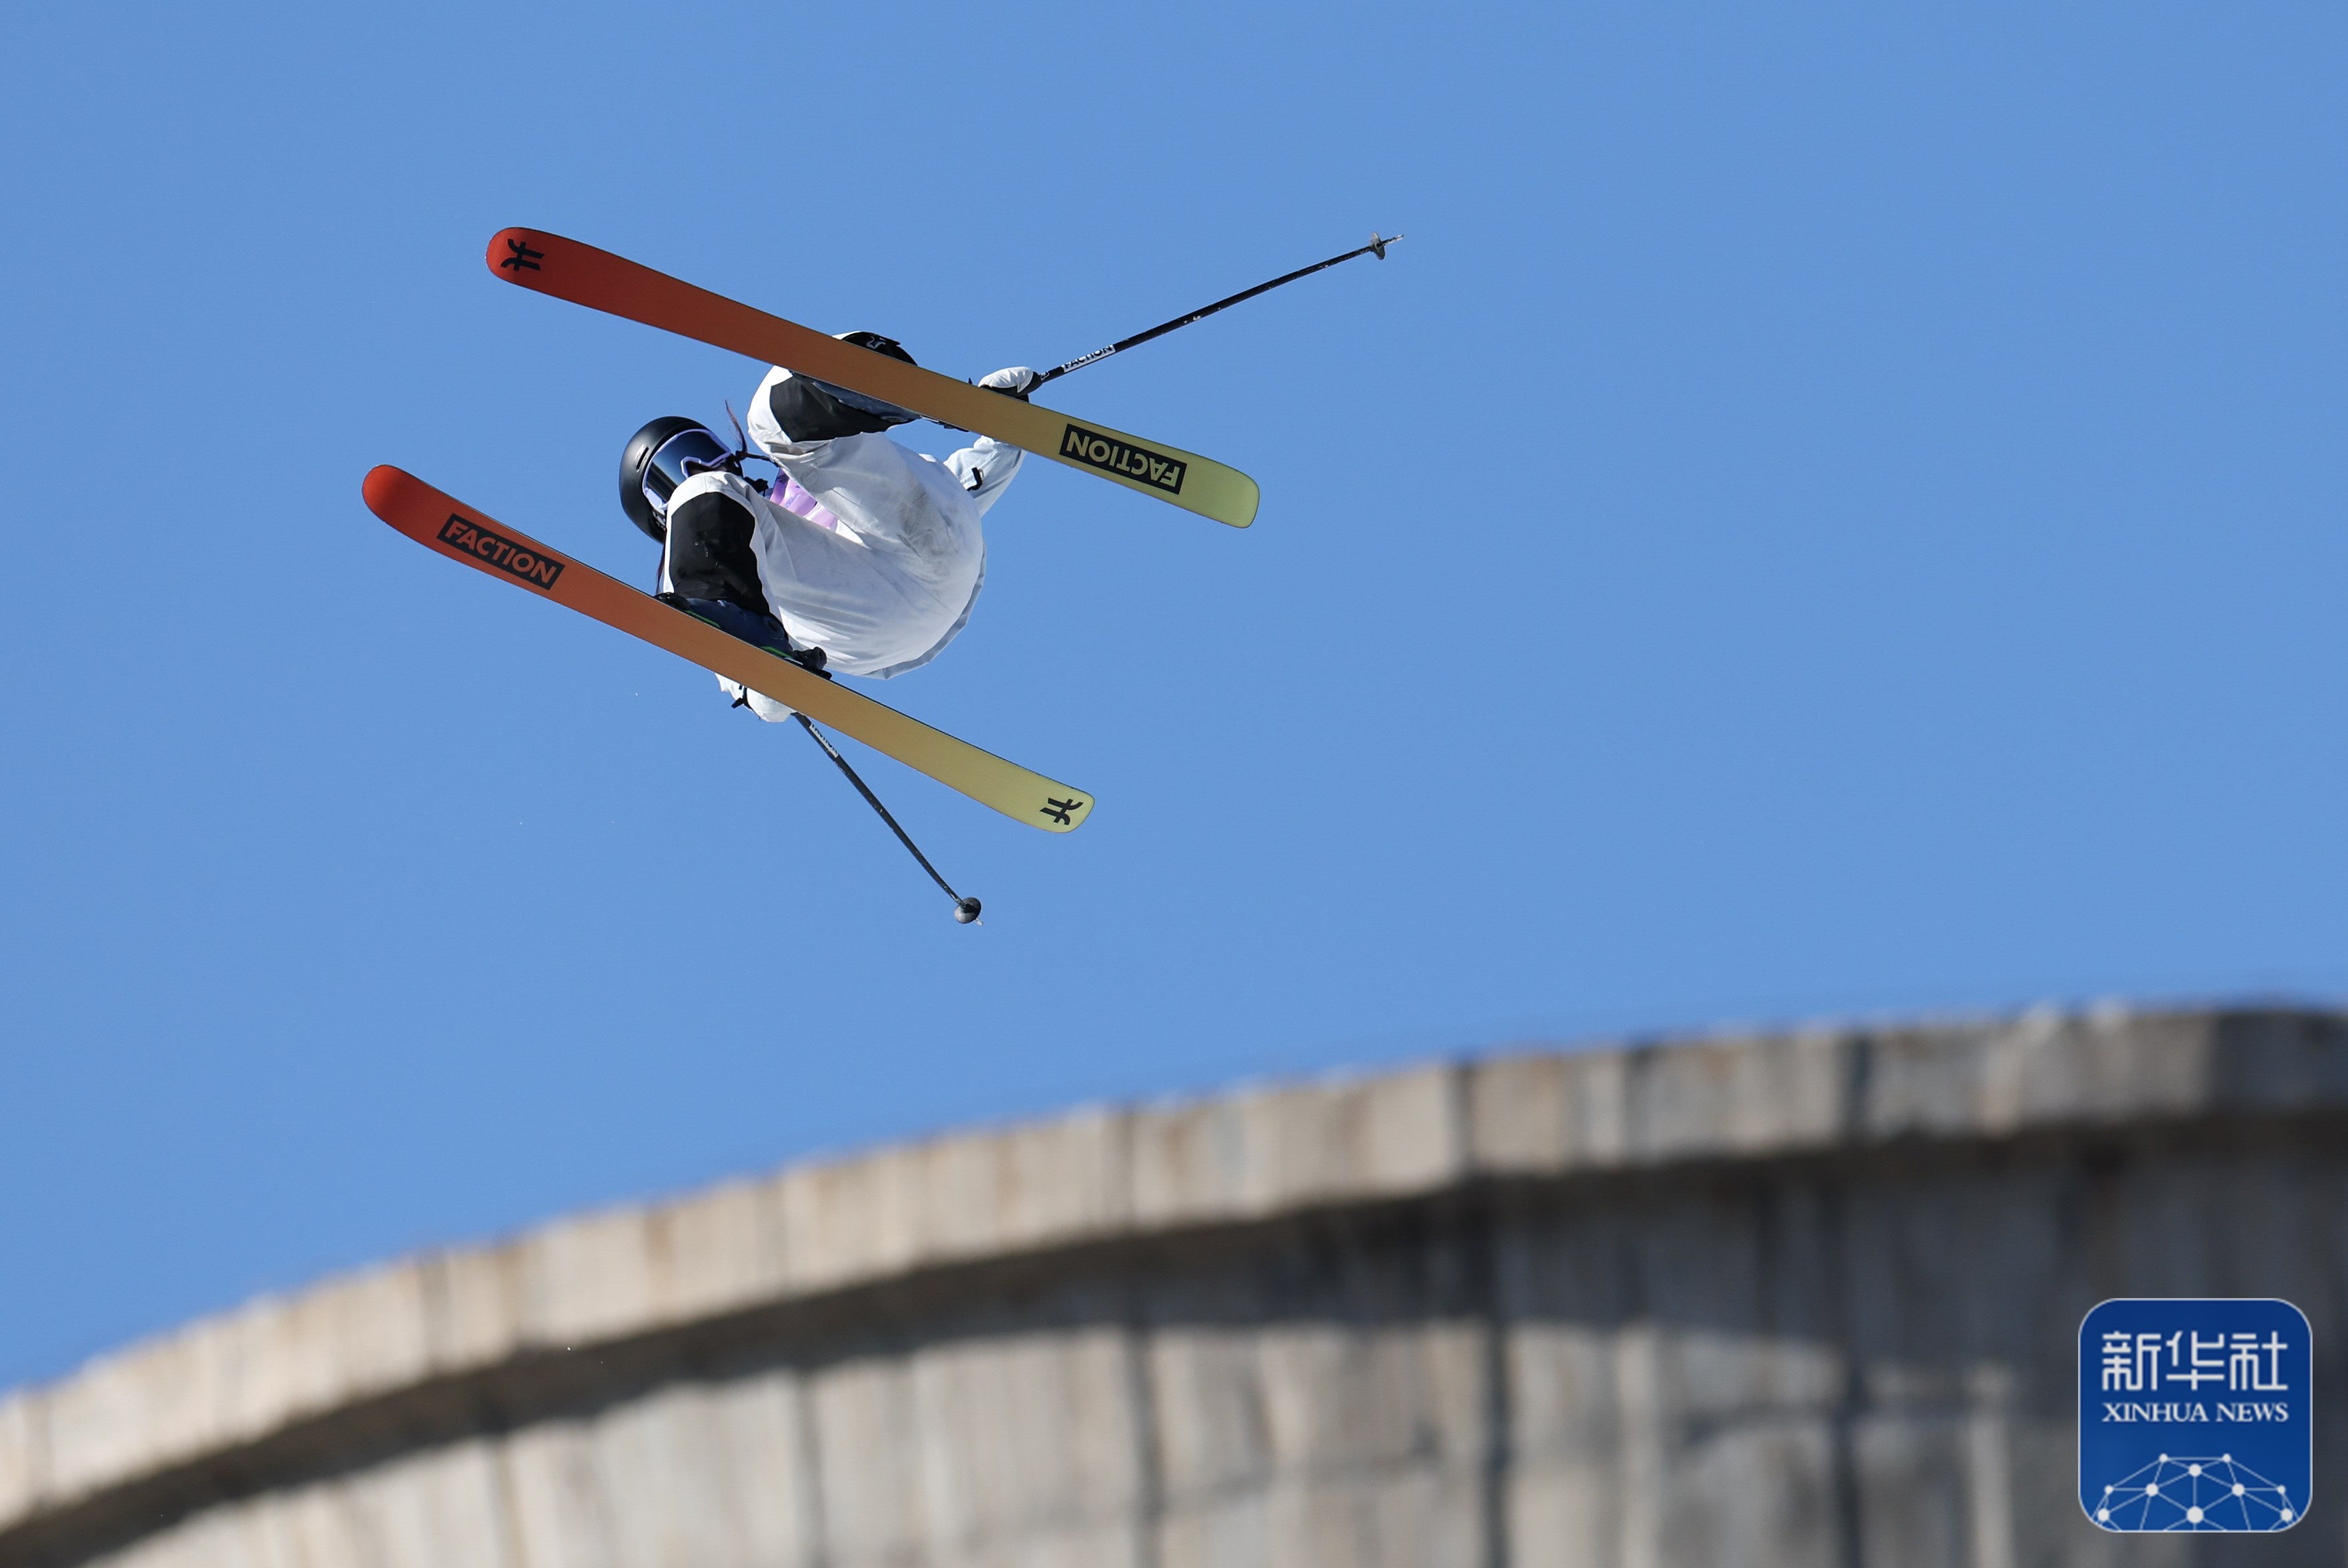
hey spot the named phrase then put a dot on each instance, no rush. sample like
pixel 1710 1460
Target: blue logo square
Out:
pixel 2195 1413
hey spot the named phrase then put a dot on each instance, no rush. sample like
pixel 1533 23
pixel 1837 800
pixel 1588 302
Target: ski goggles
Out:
pixel 690 451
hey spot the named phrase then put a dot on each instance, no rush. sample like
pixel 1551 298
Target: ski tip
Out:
pixel 516 255
pixel 382 487
pixel 1244 515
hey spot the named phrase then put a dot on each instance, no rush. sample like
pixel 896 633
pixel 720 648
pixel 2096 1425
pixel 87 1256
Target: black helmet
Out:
pixel 655 463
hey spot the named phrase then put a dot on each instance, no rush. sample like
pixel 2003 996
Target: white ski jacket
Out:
pixel 871 551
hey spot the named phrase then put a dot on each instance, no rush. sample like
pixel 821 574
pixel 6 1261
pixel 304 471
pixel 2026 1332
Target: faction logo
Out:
pixel 496 550
pixel 1111 455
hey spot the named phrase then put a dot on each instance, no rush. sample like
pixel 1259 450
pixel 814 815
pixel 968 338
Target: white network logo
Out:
pixel 2195 1494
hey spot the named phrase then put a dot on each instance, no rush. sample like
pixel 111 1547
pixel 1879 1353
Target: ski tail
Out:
pixel 617 286
pixel 568 269
pixel 447 526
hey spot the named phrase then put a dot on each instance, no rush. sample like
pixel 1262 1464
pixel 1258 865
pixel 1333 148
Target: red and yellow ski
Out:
pixel 443 524
pixel 601 280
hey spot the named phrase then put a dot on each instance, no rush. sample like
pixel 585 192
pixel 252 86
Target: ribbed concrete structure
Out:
pixel 1803 1299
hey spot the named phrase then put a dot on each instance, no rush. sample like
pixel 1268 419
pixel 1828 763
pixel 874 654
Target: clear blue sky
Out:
pixel 1832 514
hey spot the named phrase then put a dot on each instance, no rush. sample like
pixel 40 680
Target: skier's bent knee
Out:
pixel 709 552
pixel 806 410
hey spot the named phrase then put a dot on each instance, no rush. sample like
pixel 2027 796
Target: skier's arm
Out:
pixel 987 466
pixel 986 469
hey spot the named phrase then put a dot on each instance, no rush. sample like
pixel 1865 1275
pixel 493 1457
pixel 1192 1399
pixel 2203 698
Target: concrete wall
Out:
pixel 1797 1299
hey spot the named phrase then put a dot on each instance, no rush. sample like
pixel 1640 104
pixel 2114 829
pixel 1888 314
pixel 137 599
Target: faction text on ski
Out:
pixel 515 560
pixel 1111 455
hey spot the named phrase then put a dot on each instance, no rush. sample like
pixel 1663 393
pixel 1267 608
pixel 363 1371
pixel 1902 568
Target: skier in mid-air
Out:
pixel 861 556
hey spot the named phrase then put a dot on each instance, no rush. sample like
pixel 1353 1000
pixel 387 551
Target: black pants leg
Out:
pixel 807 410
pixel 709 554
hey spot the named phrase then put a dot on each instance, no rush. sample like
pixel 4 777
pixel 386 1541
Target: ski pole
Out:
pixel 965 909
pixel 1377 247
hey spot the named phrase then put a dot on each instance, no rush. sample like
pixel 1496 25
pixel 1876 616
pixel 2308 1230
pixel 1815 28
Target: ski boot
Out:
pixel 762 631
